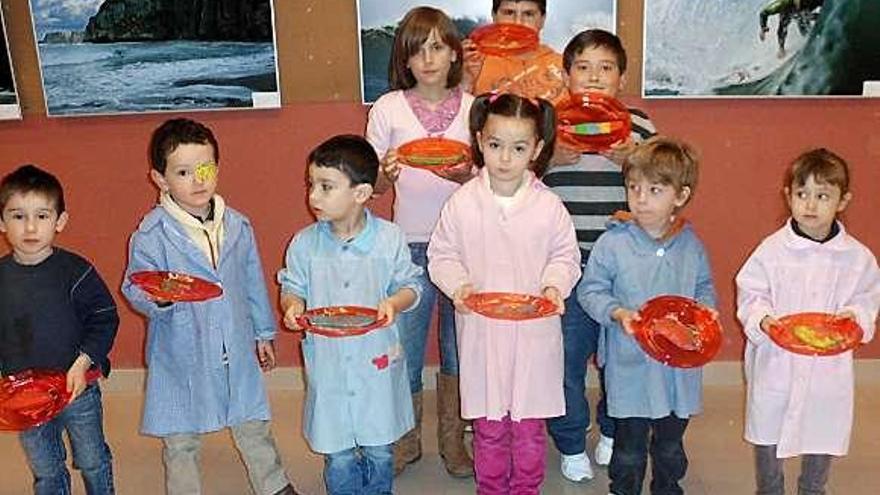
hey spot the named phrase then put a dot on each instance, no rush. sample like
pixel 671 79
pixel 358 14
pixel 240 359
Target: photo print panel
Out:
pixel 131 56
pixel 761 48
pixel 9 105
pixel 378 19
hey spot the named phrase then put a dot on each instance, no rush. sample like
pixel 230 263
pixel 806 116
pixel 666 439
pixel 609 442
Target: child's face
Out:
pixel 190 177
pixel 509 145
pixel 523 12
pixel 332 196
pixel 815 205
pixel 653 203
pixel 595 69
pixel 430 66
pixel 30 222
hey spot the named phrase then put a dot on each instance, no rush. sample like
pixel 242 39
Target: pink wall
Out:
pixel 745 145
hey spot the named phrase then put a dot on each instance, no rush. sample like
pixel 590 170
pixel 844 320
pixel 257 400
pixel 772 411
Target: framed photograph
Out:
pixel 116 57
pixel 9 105
pixel 378 19
pixel 761 48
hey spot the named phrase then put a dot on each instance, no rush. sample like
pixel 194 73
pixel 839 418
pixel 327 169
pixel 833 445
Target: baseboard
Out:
pixel 719 373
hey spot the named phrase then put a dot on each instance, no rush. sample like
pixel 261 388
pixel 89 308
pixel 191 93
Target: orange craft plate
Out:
pixel 678 331
pixel 592 110
pixel 340 321
pixel 33 397
pixel 507 306
pixel 830 334
pixel 504 39
pixel 434 153
pixel 176 287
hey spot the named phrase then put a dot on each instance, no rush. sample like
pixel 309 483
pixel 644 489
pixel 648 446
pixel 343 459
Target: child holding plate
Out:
pixel 802 405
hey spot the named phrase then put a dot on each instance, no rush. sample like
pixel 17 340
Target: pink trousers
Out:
pixel 509 456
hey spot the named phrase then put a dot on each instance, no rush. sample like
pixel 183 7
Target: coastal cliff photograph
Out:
pixel 133 56
pixel 9 107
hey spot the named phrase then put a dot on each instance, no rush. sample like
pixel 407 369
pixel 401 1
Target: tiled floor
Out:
pixel 720 462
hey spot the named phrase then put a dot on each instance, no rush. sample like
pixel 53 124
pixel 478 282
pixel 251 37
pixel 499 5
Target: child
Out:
pixel 55 313
pixel 505 231
pixel 591 187
pixel 535 74
pixel 655 252
pixel 203 374
pixel 425 100
pixel 803 405
pixel 357 401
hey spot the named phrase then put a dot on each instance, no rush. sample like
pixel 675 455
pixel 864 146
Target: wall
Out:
pixel 745 145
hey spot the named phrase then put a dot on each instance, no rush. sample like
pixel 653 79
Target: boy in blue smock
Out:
pixel 649 252
pixel 55 313
pixel 203 358
pixel 357 399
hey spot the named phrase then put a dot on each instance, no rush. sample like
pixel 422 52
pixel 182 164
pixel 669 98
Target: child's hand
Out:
pixel 552 293
pixel 460 295
pixel 266 354
pixel 387 311
pixel 76 376
pixel 295 308
pixel 564 155
pixel 619 151
pixel 473 64
pixel 767 322
pixel 391 165
pixel 626 317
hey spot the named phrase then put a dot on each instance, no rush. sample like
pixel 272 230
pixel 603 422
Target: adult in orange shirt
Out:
pixel 537 73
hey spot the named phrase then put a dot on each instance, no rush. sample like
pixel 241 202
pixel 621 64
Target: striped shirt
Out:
pixel 593 189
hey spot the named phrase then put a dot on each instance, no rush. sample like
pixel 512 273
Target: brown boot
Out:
pixel 450 428
pixel 408 449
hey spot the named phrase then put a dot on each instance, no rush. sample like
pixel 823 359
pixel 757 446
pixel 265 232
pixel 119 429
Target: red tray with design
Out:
pixel 678 331
pixel 509 306
pixel 434 153
pixel 592 122
pixel 175 287
pixel 816 334
pixel 33 397
pixel 503 39
pixel 340 321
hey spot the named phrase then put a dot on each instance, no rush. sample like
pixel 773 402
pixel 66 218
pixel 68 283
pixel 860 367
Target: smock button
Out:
pixel 661 252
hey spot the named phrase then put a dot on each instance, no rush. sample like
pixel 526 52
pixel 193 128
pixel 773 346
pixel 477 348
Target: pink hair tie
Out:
pixel 493 95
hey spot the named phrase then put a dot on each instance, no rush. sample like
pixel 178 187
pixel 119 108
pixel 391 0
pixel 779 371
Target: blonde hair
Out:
pixel 664 160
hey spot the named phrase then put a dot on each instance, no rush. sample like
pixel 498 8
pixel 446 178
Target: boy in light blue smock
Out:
pixel 203 358
pixel 647 253
pixel 358 399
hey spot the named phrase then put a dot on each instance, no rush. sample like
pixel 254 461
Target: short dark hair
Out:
pixel 664 160
pixel 174 132
pixel 31 179
pixel 537 110
pixel 591 38
pixel 350 154
pixel 411 34
pixel 542 4
pixel 823 165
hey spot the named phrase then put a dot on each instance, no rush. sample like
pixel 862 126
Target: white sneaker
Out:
pixel 604 449
pixel 576 467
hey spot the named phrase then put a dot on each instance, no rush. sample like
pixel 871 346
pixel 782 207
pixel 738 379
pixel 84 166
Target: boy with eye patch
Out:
pixel 204 359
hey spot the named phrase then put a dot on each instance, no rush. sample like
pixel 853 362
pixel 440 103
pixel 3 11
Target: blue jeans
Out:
pixel 46 454
pixel 414 325
pixel 580 336
pixel 362 470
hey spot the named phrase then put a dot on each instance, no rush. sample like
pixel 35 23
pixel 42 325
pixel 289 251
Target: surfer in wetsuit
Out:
pixel 800 11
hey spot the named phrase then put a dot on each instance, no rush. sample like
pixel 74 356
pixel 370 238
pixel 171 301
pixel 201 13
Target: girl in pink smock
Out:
pixel 425 101
pixel 505 231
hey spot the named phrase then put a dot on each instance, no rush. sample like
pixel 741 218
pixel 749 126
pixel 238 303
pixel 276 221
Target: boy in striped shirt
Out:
pixel 591 187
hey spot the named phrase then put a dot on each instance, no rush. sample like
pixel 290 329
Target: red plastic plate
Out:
pixel 176 287
pixel 592 122
pixel 33 397
pixel 816 334
pixel 504 39
pixel 434 153
pixel 678 331
pixel 340 321
pixel 508 306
